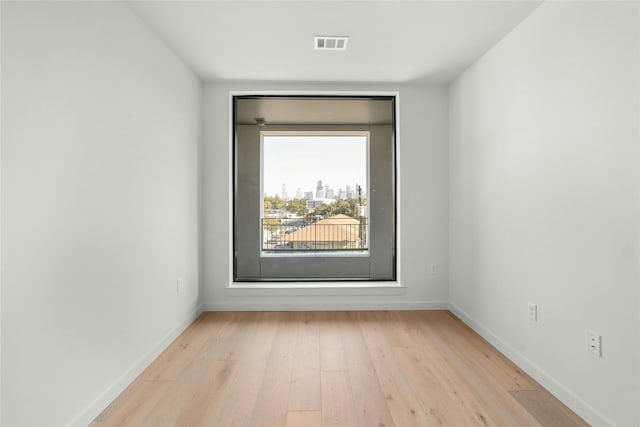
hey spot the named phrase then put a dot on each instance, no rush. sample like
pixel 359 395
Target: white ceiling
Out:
pixel 389 41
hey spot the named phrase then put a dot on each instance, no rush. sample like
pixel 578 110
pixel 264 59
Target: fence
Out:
pixel 329 234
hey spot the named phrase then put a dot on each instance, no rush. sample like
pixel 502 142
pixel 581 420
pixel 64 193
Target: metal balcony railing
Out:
pixel 338 233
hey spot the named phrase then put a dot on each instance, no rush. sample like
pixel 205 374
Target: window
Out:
pixel 314 193
pixel 314 188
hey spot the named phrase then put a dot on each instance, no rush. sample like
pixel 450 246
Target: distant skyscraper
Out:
pixel 342 194
pixel 308 195
pixel 348 192
pixel 284 195
pixel 320 190
pixel 328 193
pixel 298 193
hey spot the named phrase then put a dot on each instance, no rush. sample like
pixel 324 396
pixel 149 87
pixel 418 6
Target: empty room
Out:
pixel 320 213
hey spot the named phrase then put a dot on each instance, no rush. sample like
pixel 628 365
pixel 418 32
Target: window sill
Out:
pixel 314 288
pixel 300 254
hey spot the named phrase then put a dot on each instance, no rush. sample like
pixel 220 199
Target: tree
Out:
pixel 349 207
pixel 297 206
pixel 274 202
pixel 271 224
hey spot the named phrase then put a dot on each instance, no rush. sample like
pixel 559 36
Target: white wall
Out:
pixel 423 173
pixel 100 126
pixel 545 201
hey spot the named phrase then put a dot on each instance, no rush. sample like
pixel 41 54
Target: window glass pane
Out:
pixel 314 193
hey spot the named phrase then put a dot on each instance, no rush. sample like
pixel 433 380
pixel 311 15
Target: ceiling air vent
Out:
pixel 330 42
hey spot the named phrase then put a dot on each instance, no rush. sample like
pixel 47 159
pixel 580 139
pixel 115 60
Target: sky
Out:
pixel 300 161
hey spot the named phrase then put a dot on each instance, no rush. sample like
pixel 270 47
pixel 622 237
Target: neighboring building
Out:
pixel 320 190
pixel 336 232
pixel 312 204
pixel 274 213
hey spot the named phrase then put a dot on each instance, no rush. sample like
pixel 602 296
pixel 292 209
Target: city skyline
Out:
pixel 292 162
pixel 329 192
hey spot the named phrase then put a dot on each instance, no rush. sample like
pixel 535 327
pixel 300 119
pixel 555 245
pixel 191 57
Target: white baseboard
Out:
pixel 316 305
pixel 101 402
pixel 566 396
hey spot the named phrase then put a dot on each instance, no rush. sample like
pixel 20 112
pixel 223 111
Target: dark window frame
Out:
pixel 394 162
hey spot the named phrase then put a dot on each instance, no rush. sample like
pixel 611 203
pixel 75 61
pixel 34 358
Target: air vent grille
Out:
pixel 330 42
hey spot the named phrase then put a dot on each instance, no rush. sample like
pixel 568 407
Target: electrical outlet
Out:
pixel 594 343
pixel 178 284
pixel 533 312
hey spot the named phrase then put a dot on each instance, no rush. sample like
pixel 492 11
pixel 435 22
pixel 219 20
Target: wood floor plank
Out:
pixel 204 407
pixel 405 409
pixel 304 393
pixel 172 362
pixel 459 336
pixel 193 401
pixel 478 387
pixel 304 419
pixel 370 406
pixel 456 395
pixel 331 350
pixel 133 405
pixel 240 400
pixel 398 332
pixel 271 405
pixel 238 344
pixel 337 402
pixel 349 369
pixel 440 410
pixel 546 409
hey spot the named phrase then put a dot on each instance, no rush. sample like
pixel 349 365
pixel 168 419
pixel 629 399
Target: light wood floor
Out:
pixel 371 369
